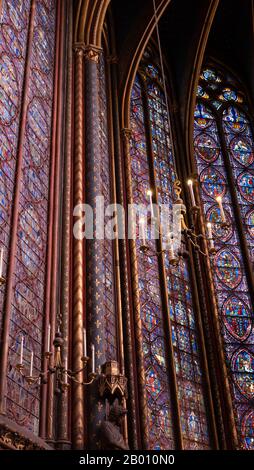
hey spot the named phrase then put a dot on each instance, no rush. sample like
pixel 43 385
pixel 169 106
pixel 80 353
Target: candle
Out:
pixel 150 193
pixel 142 231
pixel 219 200
pixel 31 364
pixel 192 195
pixel 1 261
pixel 210 235
pixel 84 341
pixel 93 358
pixel 171 247
pixel 49 330
pixel 21 349
pixel 171 250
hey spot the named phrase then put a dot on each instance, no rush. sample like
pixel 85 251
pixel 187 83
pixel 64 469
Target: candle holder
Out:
pixel 144 248
pixel 54 366
pixel 190 235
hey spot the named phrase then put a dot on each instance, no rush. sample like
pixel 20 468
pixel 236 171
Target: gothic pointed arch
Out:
pixel 223 147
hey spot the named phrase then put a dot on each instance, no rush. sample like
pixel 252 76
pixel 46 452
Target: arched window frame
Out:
pixel 152 177
pixel 244 418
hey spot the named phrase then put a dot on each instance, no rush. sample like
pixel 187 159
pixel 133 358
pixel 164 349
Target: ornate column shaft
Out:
pixel 78 255
pixel 94 247
pixel 126 134
pixel 63 438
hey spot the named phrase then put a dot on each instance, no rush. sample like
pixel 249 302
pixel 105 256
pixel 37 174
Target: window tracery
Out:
pixel 223 144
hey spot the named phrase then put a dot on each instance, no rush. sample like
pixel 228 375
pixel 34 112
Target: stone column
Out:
pixel 94 247
pixel 78 255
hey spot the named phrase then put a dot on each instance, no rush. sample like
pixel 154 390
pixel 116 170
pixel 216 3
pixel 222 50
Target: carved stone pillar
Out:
pixel 94 247
pixel 78 260
pixel 63 438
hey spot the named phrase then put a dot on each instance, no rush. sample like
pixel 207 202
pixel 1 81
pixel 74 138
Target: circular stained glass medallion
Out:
pixel 214 217
pixel 248 430
pixel 228 268
pixel 213 182
pixel 242 150
pixel 250 222
pixel 242 365
pixel 246 185
pixel 237 318
pixel 206 147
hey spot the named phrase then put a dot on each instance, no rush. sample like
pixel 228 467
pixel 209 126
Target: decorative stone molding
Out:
pixel 92 53
pixel 111 382
pixel 14 437
pixel 79 48
pixel 126 133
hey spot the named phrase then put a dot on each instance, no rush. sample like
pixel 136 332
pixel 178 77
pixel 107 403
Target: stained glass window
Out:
pixel 223 144
pixel 27 312
pixel 108 257
pixel 14 23
pixel 149 118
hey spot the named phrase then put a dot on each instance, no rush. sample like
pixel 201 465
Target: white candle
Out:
pixel 171 252
pixel 49 331
pixel 192 195
pixel 210 235
pixel 142 231
pixel 1 261
pixel 21 349
pixel 219 200
pixel 150 193
pixel 93 358
pixel 31 364
pixel 85 343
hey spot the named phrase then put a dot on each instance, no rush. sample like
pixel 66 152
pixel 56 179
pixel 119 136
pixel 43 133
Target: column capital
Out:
pixel 126 133
pixel 79 48
pixel 92 53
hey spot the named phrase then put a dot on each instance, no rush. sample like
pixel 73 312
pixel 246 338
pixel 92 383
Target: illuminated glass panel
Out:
pixel 189 374
pixel 109 294
pixel 160 420
pixel 190 379
pixel 239 140
pixel 231 286
pixel 14 20
pixel 22 401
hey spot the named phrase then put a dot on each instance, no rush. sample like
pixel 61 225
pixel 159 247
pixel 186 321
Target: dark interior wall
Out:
pixel 182 27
